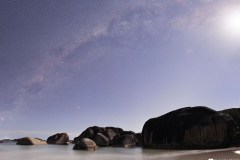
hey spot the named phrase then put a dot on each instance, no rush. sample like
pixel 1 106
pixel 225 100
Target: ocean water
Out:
pixel 11 151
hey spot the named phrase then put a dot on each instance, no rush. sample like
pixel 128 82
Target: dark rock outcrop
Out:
pixel 235 113
pixel 91 132
pixel 126 140
pixel 111 132
pixel 101 140
pixel 85 144
pixel 190 127
pixel 88 133
pixel 138 139
pixel 30 141
pixel 127 132
pixel 108 136
pixel 59 138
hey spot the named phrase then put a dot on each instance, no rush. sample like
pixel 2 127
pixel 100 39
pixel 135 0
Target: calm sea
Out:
pixel 11 151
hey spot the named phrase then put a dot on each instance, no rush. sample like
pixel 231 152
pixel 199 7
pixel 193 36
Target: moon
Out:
pixel 231 23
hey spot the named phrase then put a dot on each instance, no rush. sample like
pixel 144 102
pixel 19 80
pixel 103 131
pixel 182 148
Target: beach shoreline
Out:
pixel 10 151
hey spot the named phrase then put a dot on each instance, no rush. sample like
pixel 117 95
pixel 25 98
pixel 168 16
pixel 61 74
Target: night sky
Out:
pixel 66 65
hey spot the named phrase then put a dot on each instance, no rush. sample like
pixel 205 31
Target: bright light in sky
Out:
pixel 231 23
pixel 114 63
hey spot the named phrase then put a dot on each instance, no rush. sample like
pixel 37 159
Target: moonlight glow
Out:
pixel 66 66
pixel 231 23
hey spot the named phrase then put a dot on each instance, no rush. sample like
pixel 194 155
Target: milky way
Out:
pixel 67 65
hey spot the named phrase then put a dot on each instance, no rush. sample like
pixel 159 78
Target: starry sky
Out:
pixel 67 65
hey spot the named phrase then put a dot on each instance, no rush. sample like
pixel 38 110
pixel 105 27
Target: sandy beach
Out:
pixel 222 154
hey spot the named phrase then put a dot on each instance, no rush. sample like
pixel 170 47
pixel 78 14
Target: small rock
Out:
pixel 59 138
pixel 85 144
pixel 127 140
pixel 30 141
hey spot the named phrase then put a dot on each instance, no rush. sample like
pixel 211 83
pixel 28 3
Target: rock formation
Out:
pixel 127 140
pixel 235 113
pixel 101 140
pixel 91 133
pixel 138 139
pixel 190 127
pixel 30 141
pixel 85 144
pixel 59 138
pixel 107 136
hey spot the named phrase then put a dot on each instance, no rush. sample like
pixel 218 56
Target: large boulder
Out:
pixel 30 141
pixel 111 132
pixel 107 136
pixel 126 140
pixel 59 138
pixel 85 144
pixel 235 113
pixel 91 132
pixel 88 133
pixel 101 140
pixel 138 139
pixel 190 127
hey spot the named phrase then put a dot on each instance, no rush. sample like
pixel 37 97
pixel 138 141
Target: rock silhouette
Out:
pixel 235 113
pixel 59 138
pixel 101 140
pixel 126 140
pixel 30 141
pixel 190 127
pixel 85 144
pixel 107 136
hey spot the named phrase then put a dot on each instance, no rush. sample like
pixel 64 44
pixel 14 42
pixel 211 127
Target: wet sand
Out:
pixel 221 154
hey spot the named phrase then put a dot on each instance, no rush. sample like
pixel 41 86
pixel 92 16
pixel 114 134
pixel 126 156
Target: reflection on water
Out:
pixel 10 151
